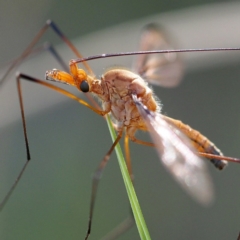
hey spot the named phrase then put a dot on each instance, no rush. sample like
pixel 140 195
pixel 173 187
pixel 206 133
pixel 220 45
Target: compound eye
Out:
pixel 84 86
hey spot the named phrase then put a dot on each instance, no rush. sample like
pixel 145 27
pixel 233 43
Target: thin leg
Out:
pixel 210 156
pixel 55 88
pixel 76 52
pixel 121 228
pixel 59 90
pixel 127 155
pixel 68 42
pixel 30 50
pixel 45 47
pixel 96 178
pixel 49 47
pixel 238 237
pixel 4 201
pixel 30 47
pixel 129 222
pixel 2 204
pixel 138 141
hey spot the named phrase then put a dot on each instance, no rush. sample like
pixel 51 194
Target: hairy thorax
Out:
pixel 118 86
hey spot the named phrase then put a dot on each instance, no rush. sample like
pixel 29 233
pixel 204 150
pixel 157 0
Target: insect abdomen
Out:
pixel 200 142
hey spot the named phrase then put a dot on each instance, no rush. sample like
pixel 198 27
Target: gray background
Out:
pixel 67 141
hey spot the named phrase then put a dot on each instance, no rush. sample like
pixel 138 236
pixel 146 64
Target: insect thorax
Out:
pixel 120 84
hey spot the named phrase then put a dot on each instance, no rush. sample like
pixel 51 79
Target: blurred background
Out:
pixel 67 141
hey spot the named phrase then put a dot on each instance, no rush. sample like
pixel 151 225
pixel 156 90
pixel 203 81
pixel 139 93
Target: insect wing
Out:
pixel 160 69
pixel 178 156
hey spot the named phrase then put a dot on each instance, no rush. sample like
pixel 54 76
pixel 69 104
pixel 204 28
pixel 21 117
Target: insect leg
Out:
pixel 238 237
pixel 96 178
pixel 219 157
pixel 55 88
pixel 45 47
pixel 138 141
pixel 49 47
pixel 30 48
pixel 130 132
pixel 128 222
pixel 127 155
pixel 123 227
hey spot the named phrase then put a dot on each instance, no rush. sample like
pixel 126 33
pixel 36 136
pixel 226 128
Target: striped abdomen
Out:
pixel 200 142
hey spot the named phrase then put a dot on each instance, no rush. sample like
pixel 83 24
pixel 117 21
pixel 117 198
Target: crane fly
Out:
pixel 127 96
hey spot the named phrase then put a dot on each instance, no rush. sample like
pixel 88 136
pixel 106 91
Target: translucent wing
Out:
pixel 178 156
pixel 160 69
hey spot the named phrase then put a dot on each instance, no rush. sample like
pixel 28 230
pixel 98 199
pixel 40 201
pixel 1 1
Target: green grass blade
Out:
pixel 139 219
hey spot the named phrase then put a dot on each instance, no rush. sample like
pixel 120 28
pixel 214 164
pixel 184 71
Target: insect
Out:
pixel 131 102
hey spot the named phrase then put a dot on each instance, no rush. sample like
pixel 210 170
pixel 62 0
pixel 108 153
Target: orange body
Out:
pixel 115 90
